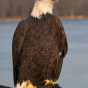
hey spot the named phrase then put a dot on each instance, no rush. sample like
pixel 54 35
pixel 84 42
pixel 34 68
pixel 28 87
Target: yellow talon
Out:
pixel 26 84
pixel 30 85
pixel 49 82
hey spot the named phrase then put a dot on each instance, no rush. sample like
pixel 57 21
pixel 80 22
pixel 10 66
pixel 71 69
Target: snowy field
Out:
pixel 75 68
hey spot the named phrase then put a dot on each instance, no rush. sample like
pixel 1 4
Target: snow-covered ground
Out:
pixel 75 68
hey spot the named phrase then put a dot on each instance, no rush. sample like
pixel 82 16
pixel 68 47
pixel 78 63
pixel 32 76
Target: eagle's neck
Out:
pixel 42 7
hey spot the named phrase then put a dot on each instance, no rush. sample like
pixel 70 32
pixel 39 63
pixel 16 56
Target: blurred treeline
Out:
pixel 62 8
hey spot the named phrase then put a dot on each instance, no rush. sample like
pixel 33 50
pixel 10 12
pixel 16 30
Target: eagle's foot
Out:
pixel 49 82
pixel 26 84
pixel 29 84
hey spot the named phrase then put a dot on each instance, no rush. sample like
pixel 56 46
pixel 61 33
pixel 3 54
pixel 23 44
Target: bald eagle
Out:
pixel 39 45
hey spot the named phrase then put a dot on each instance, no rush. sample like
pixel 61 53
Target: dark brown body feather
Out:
pixel 36 48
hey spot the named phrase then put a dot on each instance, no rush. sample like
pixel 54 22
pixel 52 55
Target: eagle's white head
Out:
pixel 42 7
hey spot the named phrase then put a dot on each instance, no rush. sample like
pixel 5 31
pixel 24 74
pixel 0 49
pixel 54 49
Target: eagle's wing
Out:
pixel 62 43
pixel 17 42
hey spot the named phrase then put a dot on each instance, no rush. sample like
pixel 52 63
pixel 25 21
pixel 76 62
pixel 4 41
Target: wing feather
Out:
pixel 17 42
